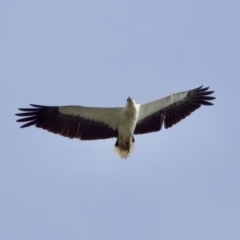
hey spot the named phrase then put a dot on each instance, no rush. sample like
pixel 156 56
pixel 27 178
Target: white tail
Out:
pixel 123 153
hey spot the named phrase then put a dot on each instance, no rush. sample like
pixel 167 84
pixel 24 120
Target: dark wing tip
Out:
pixel 33 115
pixel 195 98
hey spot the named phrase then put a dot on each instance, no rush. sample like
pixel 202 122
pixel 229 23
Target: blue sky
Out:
pixel 180 183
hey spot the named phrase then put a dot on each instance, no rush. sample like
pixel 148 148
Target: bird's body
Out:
pixel 126 126
pixel 88 123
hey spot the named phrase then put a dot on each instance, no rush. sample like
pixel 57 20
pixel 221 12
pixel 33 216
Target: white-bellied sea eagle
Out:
pixel 91 123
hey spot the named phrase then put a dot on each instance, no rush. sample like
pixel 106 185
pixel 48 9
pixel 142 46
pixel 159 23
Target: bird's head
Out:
pixel 130 100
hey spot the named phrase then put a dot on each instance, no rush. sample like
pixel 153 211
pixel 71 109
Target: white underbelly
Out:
pixel 127 125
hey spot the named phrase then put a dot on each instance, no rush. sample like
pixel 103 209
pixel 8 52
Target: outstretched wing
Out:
pixel 171 109
pixel 85 123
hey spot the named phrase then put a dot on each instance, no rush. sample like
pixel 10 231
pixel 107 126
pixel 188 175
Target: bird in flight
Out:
pixel 92 123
